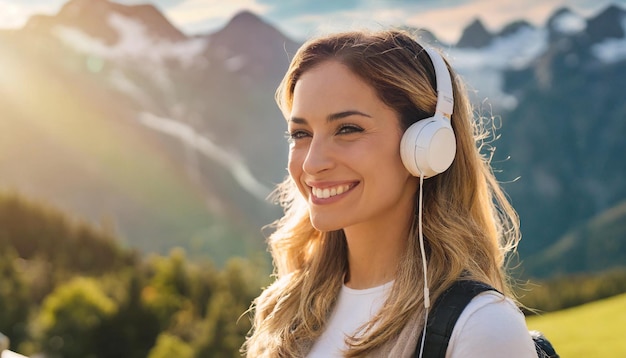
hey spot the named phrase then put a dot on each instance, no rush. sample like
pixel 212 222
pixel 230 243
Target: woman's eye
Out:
pixel 349 128
pixel 296 134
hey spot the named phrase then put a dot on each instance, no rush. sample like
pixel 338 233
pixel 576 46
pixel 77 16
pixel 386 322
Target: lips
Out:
pixel 328 192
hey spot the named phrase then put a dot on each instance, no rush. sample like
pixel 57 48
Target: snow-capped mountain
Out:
pixel 556 91
pixel 109 111
pixel 169 139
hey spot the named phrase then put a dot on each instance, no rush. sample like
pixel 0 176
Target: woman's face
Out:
pixel 345 151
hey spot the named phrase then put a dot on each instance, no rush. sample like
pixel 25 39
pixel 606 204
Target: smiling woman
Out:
pixel 342 139
pixel 388 203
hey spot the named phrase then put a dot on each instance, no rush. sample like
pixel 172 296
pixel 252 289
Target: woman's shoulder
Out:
pixel 489 326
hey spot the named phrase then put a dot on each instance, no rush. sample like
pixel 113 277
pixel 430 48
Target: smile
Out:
pixel 329 192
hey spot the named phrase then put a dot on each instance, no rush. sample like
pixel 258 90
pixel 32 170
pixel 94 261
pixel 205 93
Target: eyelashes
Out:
pixel 344 129
pixel 295 135
pixel 349 128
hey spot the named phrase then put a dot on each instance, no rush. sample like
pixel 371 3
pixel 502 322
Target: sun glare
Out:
pixel 15 14
pixel 10 16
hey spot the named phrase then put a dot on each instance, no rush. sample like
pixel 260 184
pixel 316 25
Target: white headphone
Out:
pixel 428 146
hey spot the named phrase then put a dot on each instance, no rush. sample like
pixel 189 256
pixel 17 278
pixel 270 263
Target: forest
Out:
pixel 72 289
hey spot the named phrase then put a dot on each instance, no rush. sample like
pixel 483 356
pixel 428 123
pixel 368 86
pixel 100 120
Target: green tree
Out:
pixel 13 298
pixel 168 346
pixel 226 323
pixel 70 317
pixel 132 331
pixel 168 290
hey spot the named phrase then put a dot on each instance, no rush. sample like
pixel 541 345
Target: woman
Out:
pixel 357 262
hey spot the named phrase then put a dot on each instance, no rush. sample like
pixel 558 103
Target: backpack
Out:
pixel 446 312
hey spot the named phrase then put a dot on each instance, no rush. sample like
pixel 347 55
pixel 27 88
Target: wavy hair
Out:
pixel 469 225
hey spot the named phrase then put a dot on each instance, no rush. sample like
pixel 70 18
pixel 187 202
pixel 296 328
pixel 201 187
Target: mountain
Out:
pixel 594 246
pixel 565 133
pixel 245 114
pixel 270 49
pixel 608 24
pixel 475 36
pixel 563 23
pixel 554 94
pixel 110 112
pixel 514 27
pixel 93 17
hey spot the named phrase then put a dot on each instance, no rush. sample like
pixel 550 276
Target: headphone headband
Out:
pixel 445 99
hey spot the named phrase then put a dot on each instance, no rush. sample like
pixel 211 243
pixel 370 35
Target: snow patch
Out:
pixel 124 84
pixel 134 43
pixel 611 51
pixel 515 51
pixel 482 68
pixel 569 23
pixel 235 63
pixel 205 146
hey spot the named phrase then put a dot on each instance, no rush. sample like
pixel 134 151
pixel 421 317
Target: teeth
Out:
pixel 328 192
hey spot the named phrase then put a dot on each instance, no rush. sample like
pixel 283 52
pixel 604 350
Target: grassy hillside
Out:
pixel 597 329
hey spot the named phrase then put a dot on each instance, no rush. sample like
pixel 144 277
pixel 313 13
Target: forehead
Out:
pixel 331 87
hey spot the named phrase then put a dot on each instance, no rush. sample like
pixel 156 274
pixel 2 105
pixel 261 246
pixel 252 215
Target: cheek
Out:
pixel 294 167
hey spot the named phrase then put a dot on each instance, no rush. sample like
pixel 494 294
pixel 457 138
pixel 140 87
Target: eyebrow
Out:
pixel 333 117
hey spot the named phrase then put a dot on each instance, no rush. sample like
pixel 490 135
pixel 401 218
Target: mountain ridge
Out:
pixel 90 16
pixel 223 91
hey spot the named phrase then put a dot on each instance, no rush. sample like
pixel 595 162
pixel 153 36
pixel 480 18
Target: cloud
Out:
pixel 164 4
pixel 306 25
pixel 447 19
pixel 369 15
pixel 448 22
pixel 285 9
pixel 303 18
pixel 300 19
pixel 199 15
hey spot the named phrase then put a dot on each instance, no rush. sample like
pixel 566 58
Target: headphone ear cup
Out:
pixel 428 147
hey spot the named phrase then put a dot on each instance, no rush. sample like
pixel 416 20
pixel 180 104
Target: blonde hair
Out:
pixel 469 226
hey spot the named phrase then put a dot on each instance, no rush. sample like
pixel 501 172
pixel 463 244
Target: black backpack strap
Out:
pixel 444 314
pixel 543 346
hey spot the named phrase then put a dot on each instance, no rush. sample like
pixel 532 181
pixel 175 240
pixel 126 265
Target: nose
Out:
pixel 319 156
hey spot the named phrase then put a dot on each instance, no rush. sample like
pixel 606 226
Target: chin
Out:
pixel 325 225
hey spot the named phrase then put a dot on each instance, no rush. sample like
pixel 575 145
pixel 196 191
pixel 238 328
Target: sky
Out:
pixel 300 19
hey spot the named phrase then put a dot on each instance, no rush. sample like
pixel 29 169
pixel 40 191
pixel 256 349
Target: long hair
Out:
pixel 469 226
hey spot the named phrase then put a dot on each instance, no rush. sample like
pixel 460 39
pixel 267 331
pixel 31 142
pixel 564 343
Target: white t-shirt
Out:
pixel 488 327
pixel 353 309
pixel 491 327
